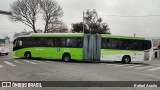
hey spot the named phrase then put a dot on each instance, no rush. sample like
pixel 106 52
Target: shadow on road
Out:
pixel 85 62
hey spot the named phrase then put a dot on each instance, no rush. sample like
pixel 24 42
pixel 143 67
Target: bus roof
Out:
pixel 122 37
pixel 57 35
pixel 79 35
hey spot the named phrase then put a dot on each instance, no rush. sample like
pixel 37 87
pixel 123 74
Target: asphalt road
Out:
pixel 17 69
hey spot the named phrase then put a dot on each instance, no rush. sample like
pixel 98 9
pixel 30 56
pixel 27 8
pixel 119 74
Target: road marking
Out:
pixel 6 58
pixel 40 61
pixel 123 65
pixel 111 64
pixel 1 66
pixel 157 64
pixel 30 62
pixel 13 56
pixel 19 62
pixel 132 66
pixel 144 67
pixel 9 63
pixel 154 69
pixel 150 75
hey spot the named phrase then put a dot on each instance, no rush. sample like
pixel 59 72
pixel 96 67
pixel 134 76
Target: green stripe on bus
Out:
pixel 114 51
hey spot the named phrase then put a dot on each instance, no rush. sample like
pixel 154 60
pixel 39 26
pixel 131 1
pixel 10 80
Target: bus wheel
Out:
pixel 6 53
pixel 28 55
pixel 126 59
pixel 66 57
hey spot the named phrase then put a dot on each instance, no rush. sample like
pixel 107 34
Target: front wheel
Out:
pixel 66 57
pixel 126 59
pixel 28 55
pixel 6 53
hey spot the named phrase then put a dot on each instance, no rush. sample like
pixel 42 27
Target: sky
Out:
pixel 146 26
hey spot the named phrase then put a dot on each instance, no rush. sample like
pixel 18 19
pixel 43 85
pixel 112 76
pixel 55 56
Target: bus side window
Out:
pixel 50 42
pixel 47 42
pixel 55 43
pixel 59 42
pixel 20 43
pixel 14 43
pixel 105 43
pixel 79 42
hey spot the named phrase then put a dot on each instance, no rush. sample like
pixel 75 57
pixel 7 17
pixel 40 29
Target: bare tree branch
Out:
pixel 57 26
pixel 51 11
pixel 25 11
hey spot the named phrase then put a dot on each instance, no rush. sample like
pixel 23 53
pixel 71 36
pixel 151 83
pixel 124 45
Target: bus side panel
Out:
pixel 116 55
pixel 52 53
pixel 35 52
pixel 76 53
pixel 19 52
pixel 57 53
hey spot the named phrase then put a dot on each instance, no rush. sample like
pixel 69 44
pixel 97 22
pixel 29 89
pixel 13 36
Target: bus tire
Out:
pixel 66 57
pixel 28 55
pixel 6 53
pixel 126 59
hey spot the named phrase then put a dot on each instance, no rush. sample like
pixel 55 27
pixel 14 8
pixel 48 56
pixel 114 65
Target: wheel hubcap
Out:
pixel 66 58
pixel 126 59
pixel 28 55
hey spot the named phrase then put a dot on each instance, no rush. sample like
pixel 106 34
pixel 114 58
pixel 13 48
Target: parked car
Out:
pixel 4 50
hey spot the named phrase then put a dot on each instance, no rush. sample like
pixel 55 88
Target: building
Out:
pixel 155 51
pixel 16 35
pixel 156 48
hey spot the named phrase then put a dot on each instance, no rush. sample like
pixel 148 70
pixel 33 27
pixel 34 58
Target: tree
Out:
pixel 51 11
pixel 58 26
pixel 95 24
pixel 7 39
pixel 78 27
pixel 25 11
pixel 92 24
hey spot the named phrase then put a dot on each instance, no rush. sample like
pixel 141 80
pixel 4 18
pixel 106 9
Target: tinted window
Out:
pixel 68 42
pixel 32 42
pixel 37 42
pixel 59 42
pixel 49 42
pixel 74 42
pixel 125 44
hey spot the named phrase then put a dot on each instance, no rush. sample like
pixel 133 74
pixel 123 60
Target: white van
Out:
pixel 4 50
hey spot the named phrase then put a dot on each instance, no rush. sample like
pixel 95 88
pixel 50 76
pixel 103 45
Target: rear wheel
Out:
pixel 66 57
pixel 126 59
pixel 28 55
pixel 6 53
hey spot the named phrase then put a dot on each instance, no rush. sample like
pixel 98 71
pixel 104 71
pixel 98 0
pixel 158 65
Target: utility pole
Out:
pixel 134 35
pixel 83 22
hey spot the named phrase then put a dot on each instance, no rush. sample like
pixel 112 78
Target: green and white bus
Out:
pixel 81 47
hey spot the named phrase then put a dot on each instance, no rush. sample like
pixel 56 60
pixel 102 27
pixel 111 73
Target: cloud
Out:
pixel 73 9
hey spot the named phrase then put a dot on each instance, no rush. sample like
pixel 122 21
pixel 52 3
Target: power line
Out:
pixel 132 15
pixel 12 28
